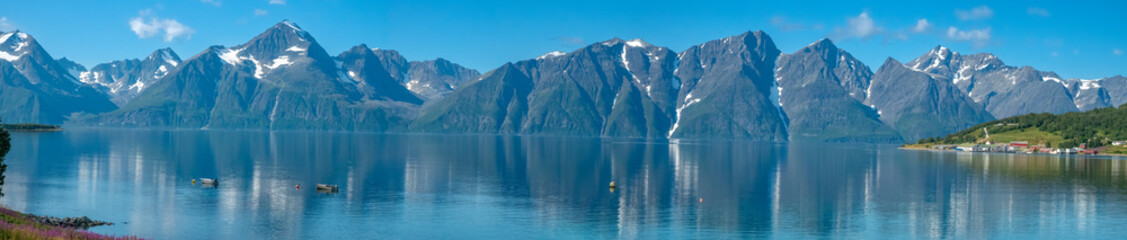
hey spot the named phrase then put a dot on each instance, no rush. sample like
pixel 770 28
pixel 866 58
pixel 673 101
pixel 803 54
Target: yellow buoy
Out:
pixel 193 181
pixel 612 184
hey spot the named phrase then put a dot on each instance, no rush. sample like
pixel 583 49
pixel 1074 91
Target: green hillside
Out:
pixel 1097 128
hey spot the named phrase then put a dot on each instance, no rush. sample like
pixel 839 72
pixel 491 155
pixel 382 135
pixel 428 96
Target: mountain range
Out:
pixel 737 87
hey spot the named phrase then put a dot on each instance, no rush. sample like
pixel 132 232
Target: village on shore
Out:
pixel 1042 147
pixel 1023 147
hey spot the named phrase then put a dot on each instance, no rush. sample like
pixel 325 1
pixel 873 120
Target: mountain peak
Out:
pixel 637 42
pixel 822 44
pixel 551 54
pixel 361 49
pixel 14 45
pixel 941 51
pixel 165 54
pixel 284 32
pixel 286 23
pixel 891 61
pixel 612 41
pixel 19 36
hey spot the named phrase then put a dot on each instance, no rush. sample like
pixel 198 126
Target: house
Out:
pixel 1119 143
pixel 1019 144
pixel 975 148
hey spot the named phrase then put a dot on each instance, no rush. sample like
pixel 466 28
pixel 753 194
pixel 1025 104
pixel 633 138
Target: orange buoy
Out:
pixel 298 186
pixel 702 200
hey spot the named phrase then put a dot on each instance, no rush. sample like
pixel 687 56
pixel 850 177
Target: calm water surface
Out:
pixel 431 186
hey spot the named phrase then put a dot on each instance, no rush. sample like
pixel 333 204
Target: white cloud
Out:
pixel 1036 11
pixel 861 26
pixel 980 12
pixel 921 25
pixel 278 2
pixel 977 37
pixel 6 25
pixel 1117 52
pixel 260 12
pixel 216 3
pixel 147 25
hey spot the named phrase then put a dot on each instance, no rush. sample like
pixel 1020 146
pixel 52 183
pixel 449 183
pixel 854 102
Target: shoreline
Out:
pixel 916 148
pixel 17 225
pixel 30 127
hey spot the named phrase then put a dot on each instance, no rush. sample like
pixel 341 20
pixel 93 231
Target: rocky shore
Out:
pixel 16 225
pixel 82 222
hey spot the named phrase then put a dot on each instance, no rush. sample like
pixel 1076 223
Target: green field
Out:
pixel 1032 135
pixel 1115 150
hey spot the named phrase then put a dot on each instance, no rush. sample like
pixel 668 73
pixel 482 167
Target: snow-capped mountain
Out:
pixel 823 89
pixel 625 89
pixel 734 87
pixel 1098 93
pixel 611 88
pixel 374 80
pixel 280 79
pixel 123 80
pixel 72 68
pixel 431 79
pixel 36 88
pixel 920 104
pixel 728 88
pixel 1004 90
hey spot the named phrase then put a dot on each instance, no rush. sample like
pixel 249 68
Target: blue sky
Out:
pixel 1074 38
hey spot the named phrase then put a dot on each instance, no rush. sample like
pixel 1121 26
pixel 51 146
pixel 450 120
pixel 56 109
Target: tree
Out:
pixel 5 145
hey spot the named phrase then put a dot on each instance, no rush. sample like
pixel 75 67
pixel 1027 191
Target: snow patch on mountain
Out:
pixel 161 72
pixel 552 54
pixel 89 77
pixel 1089 84
pixel 231 56
pixel 1051 78
pixel 9 57
pixel 139 85
pixel 962 74
pixel 296 49
pixel 637 43
pixel 279 62
pixel 689 101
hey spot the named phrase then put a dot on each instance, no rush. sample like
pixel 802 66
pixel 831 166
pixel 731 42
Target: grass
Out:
pixel 15 225
pixel 1032 135
pixel 1115 150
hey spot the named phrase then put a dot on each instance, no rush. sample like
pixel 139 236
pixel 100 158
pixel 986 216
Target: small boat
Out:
pixel 209 182
pixel 327 188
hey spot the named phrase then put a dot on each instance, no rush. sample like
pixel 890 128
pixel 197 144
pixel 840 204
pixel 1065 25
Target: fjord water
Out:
pixel 446 186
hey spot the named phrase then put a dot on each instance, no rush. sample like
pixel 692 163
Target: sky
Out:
pixel 1076 39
